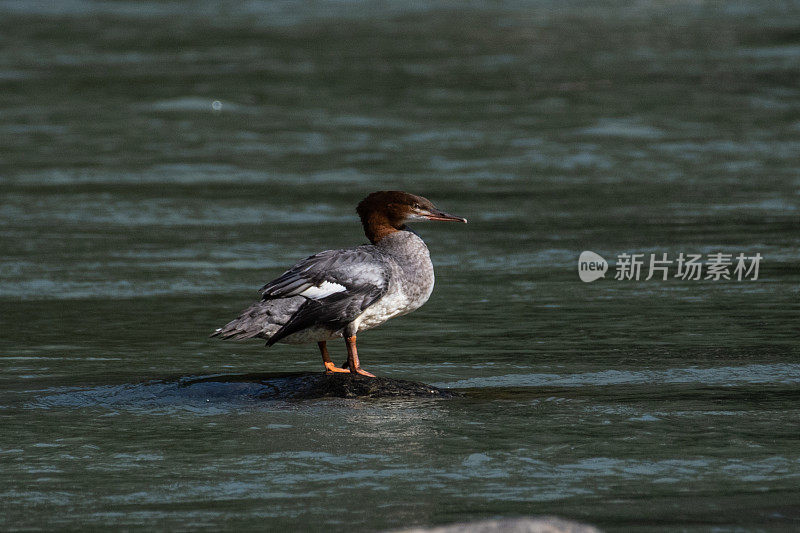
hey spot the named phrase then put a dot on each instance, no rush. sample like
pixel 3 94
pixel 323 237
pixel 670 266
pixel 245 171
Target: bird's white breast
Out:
pixel 392 304
pixel 411 282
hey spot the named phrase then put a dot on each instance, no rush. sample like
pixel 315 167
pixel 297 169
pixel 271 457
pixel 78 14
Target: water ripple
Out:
pixel 728 375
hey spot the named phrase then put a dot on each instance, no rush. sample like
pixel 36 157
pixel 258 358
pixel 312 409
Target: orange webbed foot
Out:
pixel 359 370
pixel 330 368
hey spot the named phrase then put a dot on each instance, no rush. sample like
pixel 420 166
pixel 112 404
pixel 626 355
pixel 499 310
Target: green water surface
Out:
pixel 137 215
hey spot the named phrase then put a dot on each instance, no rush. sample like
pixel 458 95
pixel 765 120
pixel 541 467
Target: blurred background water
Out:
pixel 161 160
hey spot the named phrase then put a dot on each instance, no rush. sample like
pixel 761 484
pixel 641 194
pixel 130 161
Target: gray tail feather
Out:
pixel 262 319
pixel 236 330
pixel 246 326
pixel 233 335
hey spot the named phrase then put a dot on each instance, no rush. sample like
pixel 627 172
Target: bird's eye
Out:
pixel 416 206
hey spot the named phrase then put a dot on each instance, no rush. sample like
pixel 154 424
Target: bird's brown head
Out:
pixel 385 212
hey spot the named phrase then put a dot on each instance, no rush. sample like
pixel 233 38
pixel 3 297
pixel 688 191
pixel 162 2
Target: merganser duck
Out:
pixel 339 293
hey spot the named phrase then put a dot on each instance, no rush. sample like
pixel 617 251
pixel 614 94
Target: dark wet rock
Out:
pixel 299 386
pixel 535 524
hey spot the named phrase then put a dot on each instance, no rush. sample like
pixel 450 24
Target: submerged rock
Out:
pixel 307 385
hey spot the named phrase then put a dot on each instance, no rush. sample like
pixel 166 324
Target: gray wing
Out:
pixel 329 272
pixel 338 285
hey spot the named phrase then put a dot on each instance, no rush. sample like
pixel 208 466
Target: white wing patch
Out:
pixel 326 288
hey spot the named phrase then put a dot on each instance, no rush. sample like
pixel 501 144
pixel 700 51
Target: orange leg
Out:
pixel 352 358
pixel 326 359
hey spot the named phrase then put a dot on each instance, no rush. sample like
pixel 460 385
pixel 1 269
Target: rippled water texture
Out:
pixel 162 160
